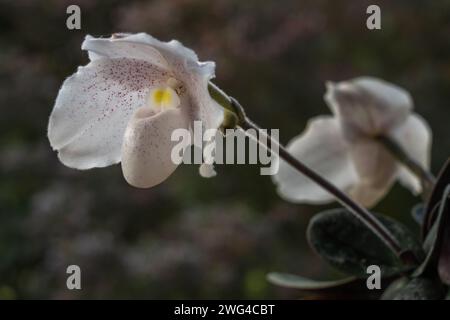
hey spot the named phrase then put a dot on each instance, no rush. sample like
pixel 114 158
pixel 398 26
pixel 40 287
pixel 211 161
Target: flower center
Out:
pixel 165 96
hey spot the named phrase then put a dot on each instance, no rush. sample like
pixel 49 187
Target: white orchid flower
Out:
pixel 124 105
pixel 343 148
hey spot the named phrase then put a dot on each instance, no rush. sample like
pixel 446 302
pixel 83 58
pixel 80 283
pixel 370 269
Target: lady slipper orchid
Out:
pixel 344 148
pixel 125 103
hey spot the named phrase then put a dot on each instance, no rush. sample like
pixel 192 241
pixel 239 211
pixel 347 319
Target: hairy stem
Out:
pixel 426 178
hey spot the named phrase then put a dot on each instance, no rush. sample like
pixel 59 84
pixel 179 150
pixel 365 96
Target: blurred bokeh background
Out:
pixel 192 237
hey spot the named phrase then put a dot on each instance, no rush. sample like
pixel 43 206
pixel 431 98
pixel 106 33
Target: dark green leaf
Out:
pixel 435 240
pixel 393 288
pixel 298 282
pixel 442 181
pixel 348 288
pixel 444 258
pixel 419 289
pixel 348 245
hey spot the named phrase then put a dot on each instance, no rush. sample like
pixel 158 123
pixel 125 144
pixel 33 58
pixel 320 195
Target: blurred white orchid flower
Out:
pixel 343 148
pixel 124 105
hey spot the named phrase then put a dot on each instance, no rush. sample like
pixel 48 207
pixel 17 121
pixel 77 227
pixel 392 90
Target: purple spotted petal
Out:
pixel 181 62
pixel 93 107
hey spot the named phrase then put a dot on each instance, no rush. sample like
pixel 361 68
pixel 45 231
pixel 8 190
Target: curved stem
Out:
pixel 365 216
pixel 426 178
pixel 361 213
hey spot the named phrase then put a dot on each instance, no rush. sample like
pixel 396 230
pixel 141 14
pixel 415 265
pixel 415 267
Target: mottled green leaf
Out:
pixel 442 181
pixel 347 288
pixel 444 257
pixel 436 242
pixel 393 288
pixel 302 283
pixel 419 289
pixel 348 245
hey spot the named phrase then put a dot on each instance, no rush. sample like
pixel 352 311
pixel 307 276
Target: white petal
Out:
pixel 323 149
pixel 121 48
pixel 170 48
pixel 147 146
pixel 207 170
pixel 180 58
pixel 93 108
pixel 414 136
pixel 167 55
pixel 205 108
pixel 184 63
pixel 376 168
pixel 367 195
pixel 172 55
pixel 368 105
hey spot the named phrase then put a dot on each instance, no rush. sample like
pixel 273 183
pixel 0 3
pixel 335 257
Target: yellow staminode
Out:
pixel 164 97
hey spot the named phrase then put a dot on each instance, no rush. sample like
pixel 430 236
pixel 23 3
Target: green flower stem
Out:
pixel 426 178
pixel 360 212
